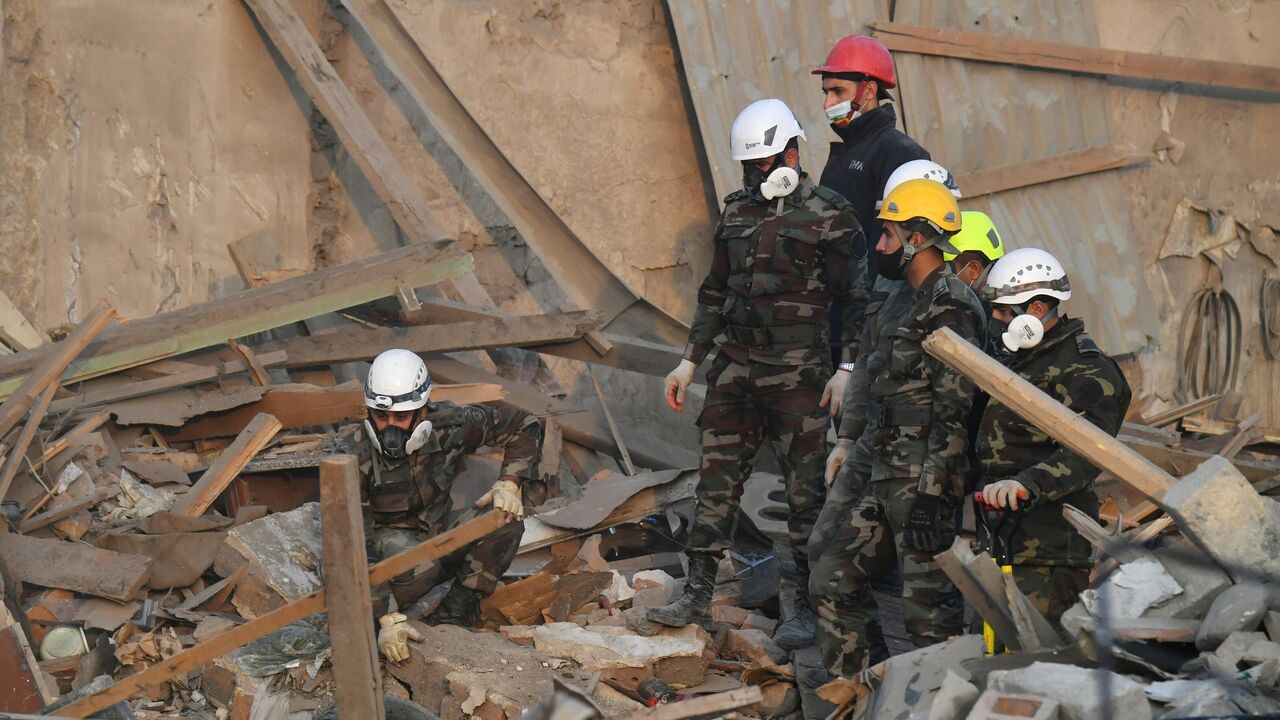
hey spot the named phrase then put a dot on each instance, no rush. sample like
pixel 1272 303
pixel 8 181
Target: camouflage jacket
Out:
pixel 1068 366
pixel 890 302
pixel 414 493
pixel 921 403
pixel 775 269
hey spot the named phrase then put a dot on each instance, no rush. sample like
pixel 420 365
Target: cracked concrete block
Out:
pixel 1238 608
pixel 1200 577
pixel 1233 649
pixel 1236 525
pixel 1261 651
pixel 1078 691
pixel 1131 589
pixel 954 698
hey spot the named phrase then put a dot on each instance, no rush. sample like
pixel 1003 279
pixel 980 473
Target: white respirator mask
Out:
pixel 780 183
pixel 393 444
pixel 1025 331
pixel 843 111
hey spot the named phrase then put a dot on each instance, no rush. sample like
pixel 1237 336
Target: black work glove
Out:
pixel 925 523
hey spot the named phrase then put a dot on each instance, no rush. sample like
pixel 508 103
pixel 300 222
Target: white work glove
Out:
pixel 833 393
pixel 394 637
pixel 1005 493
pixel 840 453
pixel 678 382
pixel 505 496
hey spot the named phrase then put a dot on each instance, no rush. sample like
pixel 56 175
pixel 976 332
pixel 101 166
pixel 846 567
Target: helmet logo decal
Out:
pixel 950 216
pixel 768 135
pixel 993 237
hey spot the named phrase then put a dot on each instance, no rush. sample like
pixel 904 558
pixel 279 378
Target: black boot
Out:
pixel 460 606
pixel 694 604
pixel 800 629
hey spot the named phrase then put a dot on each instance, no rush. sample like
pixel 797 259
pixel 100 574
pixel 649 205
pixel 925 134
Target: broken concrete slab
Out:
pixel 912 680
pixel 453 665
pixel 1236 525
pixel 954 698
pixel 1077 690
pixel 282 554
pixel 1271 623
pixel 654 588
pixel 599 649
pixel 1234 648
pixel 1238 608
pixel 1261 651
pixel 1131 589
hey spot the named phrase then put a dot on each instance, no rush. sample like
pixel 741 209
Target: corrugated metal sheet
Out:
pixel 976 115
pixel 738 51
pixel 970 116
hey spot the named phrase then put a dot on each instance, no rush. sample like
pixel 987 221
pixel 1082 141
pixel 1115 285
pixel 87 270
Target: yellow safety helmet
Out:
pixel 979 234
pixel 925 199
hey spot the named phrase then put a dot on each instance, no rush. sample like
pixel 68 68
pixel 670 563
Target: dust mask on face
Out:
pixel 841 114
pixel 1024 332
pixel 780 183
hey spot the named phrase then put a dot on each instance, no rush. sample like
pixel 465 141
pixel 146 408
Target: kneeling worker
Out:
pixel 414 451
pixel 1023 469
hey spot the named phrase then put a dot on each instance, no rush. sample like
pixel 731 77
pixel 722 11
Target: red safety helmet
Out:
pixel 860 54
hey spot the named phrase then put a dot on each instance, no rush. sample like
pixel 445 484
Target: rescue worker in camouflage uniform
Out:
pixel 849 466
pixel 907 512
pixel 1023 469
pixel 407 468
pixel 784 249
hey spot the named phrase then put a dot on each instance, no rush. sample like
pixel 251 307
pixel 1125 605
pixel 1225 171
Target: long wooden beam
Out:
pixel 1086 439
pixel 1047 169
pixel 249 311
pixel 227 467
pixel 1074 58
pixel 363 343
pixel 18 453
pixel 47 364
pixel 192 658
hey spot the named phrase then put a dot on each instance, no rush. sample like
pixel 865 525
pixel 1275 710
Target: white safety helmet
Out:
pixel 398 380
pixel 1024 274
pixel 919 170
pixel 763 129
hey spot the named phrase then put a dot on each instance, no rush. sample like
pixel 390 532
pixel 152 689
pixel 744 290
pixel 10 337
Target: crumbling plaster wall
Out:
pixel 1231 163
pixel 138 138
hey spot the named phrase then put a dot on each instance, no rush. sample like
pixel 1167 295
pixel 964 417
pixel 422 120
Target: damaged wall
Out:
pixel 138 139
pixel 1225 156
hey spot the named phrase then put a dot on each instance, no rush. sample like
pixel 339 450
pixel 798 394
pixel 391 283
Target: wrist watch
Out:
pixel 847 367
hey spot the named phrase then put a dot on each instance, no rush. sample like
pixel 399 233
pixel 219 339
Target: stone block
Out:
pixel 1200 577
pixel 1131 589
pixel 1271 623
pixel 954 698
pixel 1239 608
pixel 753 646
pixel 1078 691
pixel 283 555
pixel 599 648
pixel 1236 646
pixel 1236 525
pixel 996 705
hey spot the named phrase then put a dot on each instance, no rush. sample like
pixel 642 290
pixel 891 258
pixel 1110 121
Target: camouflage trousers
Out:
pixel 1053 589
pixel 746 404
pixel 867 544
pixel 478 566
pixel 851 481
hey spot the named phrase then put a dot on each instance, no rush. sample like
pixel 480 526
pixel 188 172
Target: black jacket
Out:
pixel 858 167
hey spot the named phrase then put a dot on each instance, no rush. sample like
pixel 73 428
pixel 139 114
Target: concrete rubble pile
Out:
pixel 1180 620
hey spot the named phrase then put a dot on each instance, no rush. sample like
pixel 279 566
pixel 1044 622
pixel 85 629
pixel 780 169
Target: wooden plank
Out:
pixel 1180 461
pixel 1055 419
pixel 227 467
pixel 618 440
pixel 297 406
pixel 15 330
pixel 164 382
pixel 1073 58
pixel 86 426
pixel 356 673
pixel 644 503
pixel 18 453
pixel 577 426
pixel 1047 169
pixel 22 686
pixel 1173 415
pixel 549 460
pixel 48 363
pixel 1210 426
pixel 717 705
pixel 954 562
pixel 257 371
pixel 75 566
pixel 1180 630
pixel 249 311
pixel 31 524
pixel 625 353
pixel 192 658
pixel 364 343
